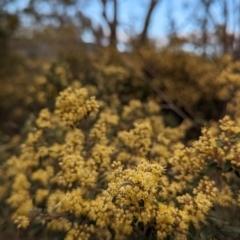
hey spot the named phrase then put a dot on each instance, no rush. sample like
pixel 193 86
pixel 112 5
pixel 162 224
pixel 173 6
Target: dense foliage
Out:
pixel 109 145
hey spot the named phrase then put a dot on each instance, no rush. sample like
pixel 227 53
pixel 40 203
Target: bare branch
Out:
pixel 112 24
pixel 143 34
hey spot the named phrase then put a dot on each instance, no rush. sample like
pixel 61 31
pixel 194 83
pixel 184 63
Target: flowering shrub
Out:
pixel 97 158
pixel 201 87
pixel 91 171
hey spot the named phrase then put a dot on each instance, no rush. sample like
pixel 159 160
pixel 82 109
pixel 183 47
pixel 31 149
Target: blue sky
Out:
pixel 132 11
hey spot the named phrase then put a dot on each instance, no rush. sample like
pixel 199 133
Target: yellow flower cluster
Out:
pixel 33 137
pixel 133 107
pixel 133 191
pixel 138 139
pixel 72 105
pixel 22 222
pixel 21 191
pixel 43 176
pixel 80 232
pixel 72 202
pixel 99 132
pixel 128 197
pixel 216 148
pixel 167 141
pixel 59 224
pixel 229 80
pixel 75 170
pixel 41 195
pixel 44 119
pixel 93 180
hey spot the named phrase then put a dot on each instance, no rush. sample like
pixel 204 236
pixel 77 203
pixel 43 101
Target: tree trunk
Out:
pixel 143 35
pixel 112 24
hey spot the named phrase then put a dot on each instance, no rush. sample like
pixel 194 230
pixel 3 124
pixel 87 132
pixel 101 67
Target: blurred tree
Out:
pixel 147 20
pixel 225 39
pixel 112 24
pixel 9 23
pixel 61 12
pixel 215 24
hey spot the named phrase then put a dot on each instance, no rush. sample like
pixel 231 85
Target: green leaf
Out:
pixel 237 135
pixel 44 210
pixel 209 161
pixel 214 219
pixel 193 184
pixel 202 236
pixel 211 168
pixel 155 204
pixel 223 228
pixel 220 143
pixel 224 179
pixel 235 138
pixel 227 167
pixel 3 224
pixel 229 230
pixel 192 231
pixel 38 222
pixel 102 179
